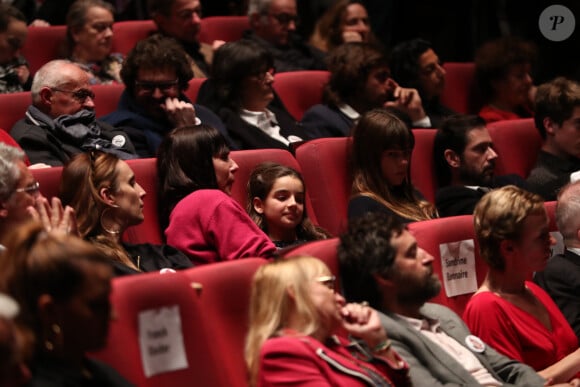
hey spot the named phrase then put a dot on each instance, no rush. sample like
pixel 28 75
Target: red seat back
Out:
pixel 300 90
pixel 49 179
pixel 325 250
pixel 44 44
pixel 430 234
pixel 193 89
pixel 459 93
pixel 226 28
pixel 517 143
pixel 12 108
pixel 422 165
pixel 107 98
pixel 324 164
pixel 128 33
pixel 249 159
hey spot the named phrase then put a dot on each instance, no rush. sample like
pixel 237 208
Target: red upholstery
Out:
pixel 106 98
pixel 193 89
pixel 12 108
pixel 300 90
pixel 226 28
pixel 517 142
pixel 224 301
pixel 249 159
pixel 422 166
pixel 432 233
pixel 325 169
pixel 44 44
pixel 551 210
pixel 459 92
pixel 49 179
pixel 149 231
pixel 324 250
pixel 134 294
pixel 128 33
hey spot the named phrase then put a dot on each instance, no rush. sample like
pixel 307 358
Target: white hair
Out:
pixel 49 75
pixel 258 6
pixel 9 308
pixel 9 172
pixel 568 213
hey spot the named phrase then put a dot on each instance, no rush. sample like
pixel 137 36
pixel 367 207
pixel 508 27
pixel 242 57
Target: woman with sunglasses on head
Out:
pixel 107 200
pixel 241 82
pixel 297 332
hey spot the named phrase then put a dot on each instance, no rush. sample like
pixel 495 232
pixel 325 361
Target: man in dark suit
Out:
pixel 381 263
pixel 561 277
pixel 464 161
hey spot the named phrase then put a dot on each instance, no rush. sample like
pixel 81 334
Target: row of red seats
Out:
pixel 46 43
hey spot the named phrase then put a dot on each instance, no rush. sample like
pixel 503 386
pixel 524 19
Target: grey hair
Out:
pixel 9 173
pixel 568 213
pixel 47 76
pixel 258 6
pixel 76 17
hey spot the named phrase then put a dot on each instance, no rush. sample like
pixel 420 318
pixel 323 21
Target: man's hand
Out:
pixel 180 113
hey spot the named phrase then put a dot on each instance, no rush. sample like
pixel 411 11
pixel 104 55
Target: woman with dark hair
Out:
pixel 242 77
pixel 276 203
pixel 345 21
pixel 381 153
pixel 197 212
pixel 90 37
pixel 107 200
pixel 14 71
pixel 63 286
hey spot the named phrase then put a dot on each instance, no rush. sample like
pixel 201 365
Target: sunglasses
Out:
pixel 285 18
pixel 80 95
pixel 33 188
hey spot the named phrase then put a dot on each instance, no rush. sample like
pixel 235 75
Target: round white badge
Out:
pixel 557 23
pixel 475 343
pixel 118 141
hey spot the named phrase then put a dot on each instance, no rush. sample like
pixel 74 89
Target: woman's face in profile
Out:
pixel 257 90
pixel 95 37
pixel 129 194
pixel 355 24
pixel 327 301
pixel 395 165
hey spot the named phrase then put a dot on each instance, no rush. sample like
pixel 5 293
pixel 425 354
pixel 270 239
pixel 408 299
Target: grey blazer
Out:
pixel 430 365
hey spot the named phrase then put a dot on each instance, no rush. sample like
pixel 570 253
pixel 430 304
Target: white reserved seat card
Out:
pixel 161 341
pixel 458 267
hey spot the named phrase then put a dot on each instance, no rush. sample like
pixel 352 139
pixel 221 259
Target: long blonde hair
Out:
pixel 271 304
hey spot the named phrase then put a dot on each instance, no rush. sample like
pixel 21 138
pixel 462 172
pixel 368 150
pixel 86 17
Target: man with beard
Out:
pixel 380 263
pixel 464 164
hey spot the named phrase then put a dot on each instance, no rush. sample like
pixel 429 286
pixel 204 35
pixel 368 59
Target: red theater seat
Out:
pixel 459 93
pixel 431 234
pixel 422 165
pixel 49 179
pixel 44 44
pixel 300 90
pixel 128 33
pixel 107 98
pixel 12 108
pixel 193 89
pixel 325 250
pixel 226 28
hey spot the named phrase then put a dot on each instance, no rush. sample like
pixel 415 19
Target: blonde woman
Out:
pixel 295 315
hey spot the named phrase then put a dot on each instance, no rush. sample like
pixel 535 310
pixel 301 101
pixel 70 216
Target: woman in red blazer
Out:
pixel 298 327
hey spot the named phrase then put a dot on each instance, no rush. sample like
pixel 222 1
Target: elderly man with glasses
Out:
pixel 156 73
pixel 273 26
pixel 61 120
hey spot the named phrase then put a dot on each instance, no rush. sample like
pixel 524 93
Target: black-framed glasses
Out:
pixel 285 18
pixel 164 87
pixel 80 95
pixel 327 280
pixel 32 189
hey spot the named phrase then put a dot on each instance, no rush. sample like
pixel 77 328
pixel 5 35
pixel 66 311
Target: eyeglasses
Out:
pixel 327 280
pixel 80 95
pixel 262 75
pixel 164 87
pixel 285 18
pixel 32 189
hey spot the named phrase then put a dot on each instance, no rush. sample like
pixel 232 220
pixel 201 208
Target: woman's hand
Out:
pixel 54 217
pixel 363 322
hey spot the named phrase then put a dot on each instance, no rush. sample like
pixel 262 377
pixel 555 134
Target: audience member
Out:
pixel 13 371
pixel 510 313
pixel 61 120
pixel 63 285
pixel 557 118
pixel 415 64
pixel 380 262
pixel 503 73
pixel 381 151
pixel 156 73
pixel 276 203
pixel 345 21
pixel 14 72
pixel 297 325
pixel 107 200
pixel 273 26
pixel 360 80
pixel 560 276
pixel 464 161
pixel 90 38
pixel 181 20
pixel 198 214
pixel 242 77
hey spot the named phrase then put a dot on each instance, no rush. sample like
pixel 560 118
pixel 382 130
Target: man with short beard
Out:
pixel 464 164
pixel 380 263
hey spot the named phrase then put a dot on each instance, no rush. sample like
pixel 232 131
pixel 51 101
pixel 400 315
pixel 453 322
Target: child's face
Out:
pixel 283 208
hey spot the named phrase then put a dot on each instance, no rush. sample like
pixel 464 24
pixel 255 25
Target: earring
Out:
pixel 56 331
pixel 113 229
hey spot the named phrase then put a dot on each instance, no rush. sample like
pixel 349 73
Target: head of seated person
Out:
pixel 157 69
pixel 381 152
pixel 503 71
pixel 90 38
pixel 13 33
pixel 13 371
pixel 273 20
pixel 179 19
pixel 346 21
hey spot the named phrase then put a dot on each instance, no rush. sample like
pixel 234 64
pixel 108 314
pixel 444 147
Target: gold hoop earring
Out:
pixel 109 228
pixel 56 332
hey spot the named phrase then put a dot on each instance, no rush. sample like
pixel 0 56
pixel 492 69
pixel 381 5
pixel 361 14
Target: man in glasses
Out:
pixel 273 25
pixel 14 72
pixel 381 263
pixel 61 120
pixel 156 74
